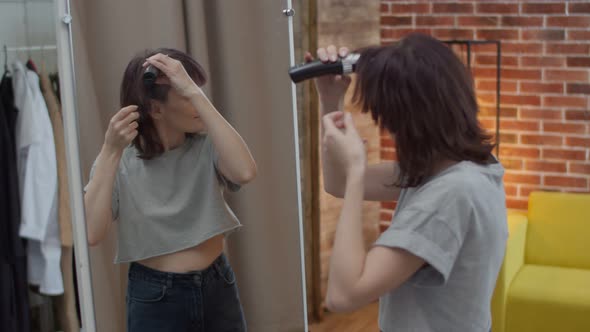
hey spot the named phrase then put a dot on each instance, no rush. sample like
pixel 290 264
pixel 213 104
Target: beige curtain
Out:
pixel 244 47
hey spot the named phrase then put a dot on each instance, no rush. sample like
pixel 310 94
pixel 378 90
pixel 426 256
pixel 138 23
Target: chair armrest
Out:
pixel 513 261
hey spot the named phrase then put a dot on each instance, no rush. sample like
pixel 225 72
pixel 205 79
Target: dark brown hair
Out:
pixel 421 92
pixel 134 92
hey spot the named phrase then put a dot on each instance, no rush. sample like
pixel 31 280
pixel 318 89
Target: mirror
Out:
pixel 170 234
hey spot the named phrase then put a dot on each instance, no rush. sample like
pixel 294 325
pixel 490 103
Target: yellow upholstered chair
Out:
pixel 544 283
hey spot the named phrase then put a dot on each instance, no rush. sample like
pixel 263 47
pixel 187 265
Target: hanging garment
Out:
pixel 14 301
pixel 65 305
pixel 64 213
pixel 37 171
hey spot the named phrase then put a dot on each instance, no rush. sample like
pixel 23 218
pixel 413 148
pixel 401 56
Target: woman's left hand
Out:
pixel 342 142
pixel 175 72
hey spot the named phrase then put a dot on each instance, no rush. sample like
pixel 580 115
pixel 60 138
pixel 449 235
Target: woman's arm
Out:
pixel 356 277
pixel 378 177
pixel 235 160
pixel 99 193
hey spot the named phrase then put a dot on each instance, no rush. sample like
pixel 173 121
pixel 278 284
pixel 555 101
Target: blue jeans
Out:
pixel 204 300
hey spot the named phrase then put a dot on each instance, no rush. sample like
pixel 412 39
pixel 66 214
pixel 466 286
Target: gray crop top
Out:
pixel 169 203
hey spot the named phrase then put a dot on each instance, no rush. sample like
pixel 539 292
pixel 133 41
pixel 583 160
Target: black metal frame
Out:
pixel 498 44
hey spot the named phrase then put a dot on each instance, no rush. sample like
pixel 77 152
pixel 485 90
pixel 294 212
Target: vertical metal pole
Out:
pixel 498 75
pixel 65 58
pixel 289 12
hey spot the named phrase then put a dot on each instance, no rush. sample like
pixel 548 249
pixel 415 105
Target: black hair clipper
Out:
pixel 150 75
pixel 342 66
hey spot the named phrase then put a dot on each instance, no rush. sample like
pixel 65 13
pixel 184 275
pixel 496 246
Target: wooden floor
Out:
pixel 364 320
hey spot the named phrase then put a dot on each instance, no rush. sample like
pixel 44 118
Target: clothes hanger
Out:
pixel 6 71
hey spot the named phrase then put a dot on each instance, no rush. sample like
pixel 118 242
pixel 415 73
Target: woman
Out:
pixel 164 193
pixel 436 266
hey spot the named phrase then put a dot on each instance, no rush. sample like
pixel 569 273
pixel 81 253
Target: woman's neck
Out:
pixel 170 139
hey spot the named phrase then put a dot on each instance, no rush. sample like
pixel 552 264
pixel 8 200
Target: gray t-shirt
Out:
pixel 169 203
pixel 456 222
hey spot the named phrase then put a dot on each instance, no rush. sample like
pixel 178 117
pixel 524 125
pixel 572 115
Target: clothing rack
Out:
pixel 30 48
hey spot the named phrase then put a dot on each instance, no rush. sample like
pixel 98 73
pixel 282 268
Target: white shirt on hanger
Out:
pixel 37 172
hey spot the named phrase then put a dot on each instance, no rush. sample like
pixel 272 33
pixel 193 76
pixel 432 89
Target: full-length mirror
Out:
pixel 191 175
pixel 179 192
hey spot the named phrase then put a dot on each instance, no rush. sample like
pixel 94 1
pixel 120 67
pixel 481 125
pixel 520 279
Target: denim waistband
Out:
pixel 138 271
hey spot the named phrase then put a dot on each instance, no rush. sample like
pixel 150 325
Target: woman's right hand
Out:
pixel 331 88
pixel 122 129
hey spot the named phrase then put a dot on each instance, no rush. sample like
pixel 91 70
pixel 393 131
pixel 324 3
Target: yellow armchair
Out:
pixel 544 282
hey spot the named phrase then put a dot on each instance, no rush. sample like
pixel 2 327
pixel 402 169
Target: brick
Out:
pixel 541 139
pixel 579 8
pixel 505 112
pixel 389 205
pixel 388 155
pixel 396 20
pixel 578 88
pixel 405 8
pixel 477 21
pixel 568 48
pixel 502 34
pixel 489 85
pixel 581 168
pixel 521 48
pixel 558 127
pixel 435 20
pixel 521 74
pixel 453 33
pixel 483 72
pixel 543 8
pixel 528 113
pixel 452 7
pixel 527 87
pixel 519 125
pixel 542 61
pixel 562 154
pixel 384 225
pixel 568 21
pixel 400 33
pixel 482 59
pixel 511 190
pixel 512 177
pixel 522 21
pixel 498 8
pixel 578 35
pixel 545 166
pixel 583 142
pixel 384 8
pixel 485 97
pixel 543 34
pixel 525 191
pixel 513 164
pixel 569 101
pixel 528 100
pixel 577 115
pixel 387 143
pixel 385 216
pixel 519 152
pixel 508 138
pixel 488 123
pixel 566 75
pixel 566 181
pixel 517 204
pixel 578 61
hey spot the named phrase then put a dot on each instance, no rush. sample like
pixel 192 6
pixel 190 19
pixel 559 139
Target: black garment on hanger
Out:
pixel 14 298
pixel 54 79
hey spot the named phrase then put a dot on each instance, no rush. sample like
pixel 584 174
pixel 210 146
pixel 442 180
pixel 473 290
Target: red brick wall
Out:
pixel 545 130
